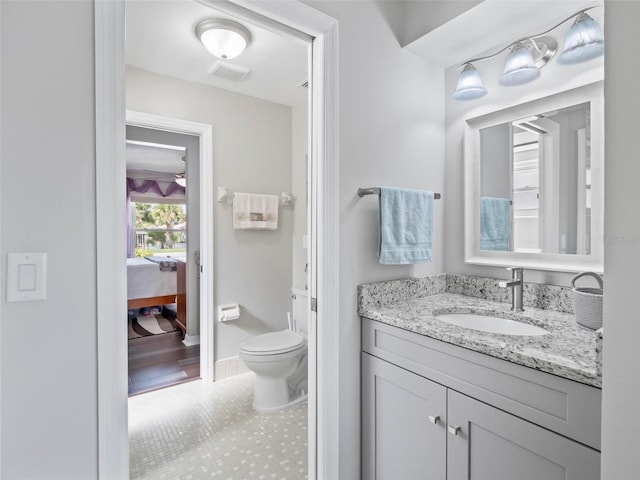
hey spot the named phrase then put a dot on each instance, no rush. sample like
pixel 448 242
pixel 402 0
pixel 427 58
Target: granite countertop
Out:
pixel 569 350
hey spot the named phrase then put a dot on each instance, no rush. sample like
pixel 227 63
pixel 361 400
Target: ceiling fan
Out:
pixel 163 161
pixel 179 177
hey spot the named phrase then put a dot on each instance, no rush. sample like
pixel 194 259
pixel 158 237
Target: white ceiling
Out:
pixel 163 160
pixel 160 38
pixel 493 24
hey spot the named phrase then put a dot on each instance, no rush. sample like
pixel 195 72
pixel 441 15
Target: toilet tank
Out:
pixel 300 298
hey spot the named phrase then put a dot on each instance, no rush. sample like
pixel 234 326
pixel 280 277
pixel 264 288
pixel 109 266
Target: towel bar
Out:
pixel 225 197
pixel 376 191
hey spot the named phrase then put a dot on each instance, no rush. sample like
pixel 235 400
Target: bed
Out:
pixel 147 285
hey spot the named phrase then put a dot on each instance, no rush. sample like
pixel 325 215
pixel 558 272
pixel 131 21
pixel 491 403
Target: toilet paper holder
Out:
pixel 228 312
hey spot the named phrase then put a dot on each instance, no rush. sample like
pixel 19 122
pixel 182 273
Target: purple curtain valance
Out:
pixel 152 185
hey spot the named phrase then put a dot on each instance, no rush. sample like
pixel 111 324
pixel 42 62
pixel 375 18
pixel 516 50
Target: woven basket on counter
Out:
pixel 587 302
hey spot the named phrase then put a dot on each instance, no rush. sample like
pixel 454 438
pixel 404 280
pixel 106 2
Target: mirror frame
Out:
pixel 592 94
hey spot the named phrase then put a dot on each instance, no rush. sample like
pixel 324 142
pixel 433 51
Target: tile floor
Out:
pixel 196 431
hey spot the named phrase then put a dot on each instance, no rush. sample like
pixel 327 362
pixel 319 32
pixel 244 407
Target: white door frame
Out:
pixel 205 134
pixel 549 185
pixel 113 440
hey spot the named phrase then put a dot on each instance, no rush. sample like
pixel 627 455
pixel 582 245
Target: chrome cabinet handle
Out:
pixel 454 429
pixel 434 418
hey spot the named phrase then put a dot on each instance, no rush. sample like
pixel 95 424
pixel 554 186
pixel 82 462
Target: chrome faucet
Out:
pixel 516 284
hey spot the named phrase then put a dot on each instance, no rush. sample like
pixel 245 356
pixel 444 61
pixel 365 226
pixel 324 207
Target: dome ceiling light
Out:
pixel 223 38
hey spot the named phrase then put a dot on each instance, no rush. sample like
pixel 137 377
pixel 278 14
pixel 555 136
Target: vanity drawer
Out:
pixel 569 408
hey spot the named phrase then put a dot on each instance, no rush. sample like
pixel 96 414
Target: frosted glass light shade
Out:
pixel 223 38
pixel 519 68
pixel 469 86
pixel 182 181
pixel 584 41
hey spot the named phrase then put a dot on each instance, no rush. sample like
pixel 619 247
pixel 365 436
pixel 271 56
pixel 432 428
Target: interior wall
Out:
pixel 621 351
pixel 570 122
pixel 420 16
pixel 390 134
pixel 192 144
pixel 495 178
pixel 554 79
pixel 47 194
pixel 251 154
pixel 299 150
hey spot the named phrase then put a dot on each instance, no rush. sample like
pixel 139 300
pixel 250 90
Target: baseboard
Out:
pixel 229 367
pixel 190 340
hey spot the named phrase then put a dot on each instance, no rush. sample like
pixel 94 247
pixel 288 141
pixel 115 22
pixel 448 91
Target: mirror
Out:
pixel 534 183
pixel 523 164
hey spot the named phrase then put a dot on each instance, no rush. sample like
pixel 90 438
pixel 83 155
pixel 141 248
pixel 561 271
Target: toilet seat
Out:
pixel 273 343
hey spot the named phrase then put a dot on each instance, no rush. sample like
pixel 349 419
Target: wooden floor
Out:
pixel 160 361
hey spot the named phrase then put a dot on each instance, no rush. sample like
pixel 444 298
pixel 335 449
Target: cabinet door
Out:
pixel 403 424
pixel 492 444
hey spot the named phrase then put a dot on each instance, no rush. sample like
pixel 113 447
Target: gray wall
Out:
pixel 251 153
pixel 495 154
pixel 420 16
pixel 391 133
pixel 47 196
pixel 192 144
pixel 299 149
pixel 621 374
pixel 570 122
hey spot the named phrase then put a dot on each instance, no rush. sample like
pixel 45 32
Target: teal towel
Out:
pixel 406 223
pixel 495 223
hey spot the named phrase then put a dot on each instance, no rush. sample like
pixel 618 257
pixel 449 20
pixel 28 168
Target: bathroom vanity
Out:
pixel 447 402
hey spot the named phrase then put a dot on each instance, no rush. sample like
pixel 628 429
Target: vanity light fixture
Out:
pixel 519 67
pixel 528 55
pixel 223 38
pixel 469 85
pixel 584 41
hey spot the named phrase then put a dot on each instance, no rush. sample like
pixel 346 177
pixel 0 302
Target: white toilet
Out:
pixel 279 360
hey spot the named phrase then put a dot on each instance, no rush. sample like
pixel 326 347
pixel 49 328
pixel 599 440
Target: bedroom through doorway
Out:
pixel 162 258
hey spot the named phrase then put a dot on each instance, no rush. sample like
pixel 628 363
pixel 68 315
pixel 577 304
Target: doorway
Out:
pixel 323 240
pixel 260 130
pixel 200 256
pixel 163 246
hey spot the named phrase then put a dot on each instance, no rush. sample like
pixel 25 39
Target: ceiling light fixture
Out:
pixel 528 55
pixel 223 38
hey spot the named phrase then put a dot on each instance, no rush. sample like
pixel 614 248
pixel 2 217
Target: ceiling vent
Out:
pixel 304 84
pixel 228 71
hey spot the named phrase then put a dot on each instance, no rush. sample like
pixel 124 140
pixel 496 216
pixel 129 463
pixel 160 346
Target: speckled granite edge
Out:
pixel 546 297
pixel 599 334
pixel 371 295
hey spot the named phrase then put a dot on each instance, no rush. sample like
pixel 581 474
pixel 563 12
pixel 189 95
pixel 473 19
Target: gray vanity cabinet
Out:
pixel 492 444
pixel 404 431
pixel 472 418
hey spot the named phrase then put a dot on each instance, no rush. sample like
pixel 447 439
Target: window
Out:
pixel 159 228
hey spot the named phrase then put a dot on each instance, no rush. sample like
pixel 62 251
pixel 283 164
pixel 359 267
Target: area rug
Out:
pixel 148 325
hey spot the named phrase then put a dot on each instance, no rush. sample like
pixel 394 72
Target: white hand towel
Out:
pixel 251 210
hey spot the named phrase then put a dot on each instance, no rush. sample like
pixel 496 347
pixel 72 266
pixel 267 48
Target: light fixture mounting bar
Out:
pixel 528 38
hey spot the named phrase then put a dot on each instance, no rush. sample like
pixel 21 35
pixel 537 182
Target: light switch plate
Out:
pixel 26 277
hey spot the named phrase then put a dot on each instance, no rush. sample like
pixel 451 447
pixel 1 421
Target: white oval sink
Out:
pixel 486 323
